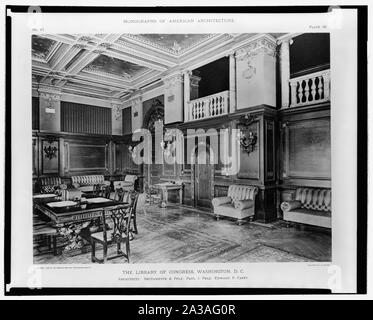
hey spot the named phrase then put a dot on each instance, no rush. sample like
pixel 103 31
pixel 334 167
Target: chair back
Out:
pixel 133 198
pixel 101 190
pixel 49 184
pixel 130 178
pixel 121 218
pixel 242 192
pixel 119 195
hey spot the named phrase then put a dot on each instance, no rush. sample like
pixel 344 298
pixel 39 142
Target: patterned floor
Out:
pixel 183 235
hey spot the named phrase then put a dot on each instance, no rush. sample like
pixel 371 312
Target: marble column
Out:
pixel 285 72
pixel 232 83
pixel 137 113
pixel 186 94
pixel 194 86
pixel 174 98
pixel 116 118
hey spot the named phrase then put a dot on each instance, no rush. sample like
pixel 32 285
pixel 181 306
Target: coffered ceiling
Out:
pixel 113 66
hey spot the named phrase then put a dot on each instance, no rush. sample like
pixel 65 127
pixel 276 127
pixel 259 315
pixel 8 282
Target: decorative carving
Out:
pixel 175 49
pixel 173 80
pixel 117 112
pixel 260 46
pixel 248 139
pixel 79 46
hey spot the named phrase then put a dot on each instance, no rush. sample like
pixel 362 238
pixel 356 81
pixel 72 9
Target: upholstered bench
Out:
pixel 87 183
pixel 311 206
pixel 239 203
pixel 49 184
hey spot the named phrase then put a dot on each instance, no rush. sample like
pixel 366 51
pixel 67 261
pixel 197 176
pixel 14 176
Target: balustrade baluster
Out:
pixel 306 90
pixel 320 88
pixel 313 89
pixel 300 91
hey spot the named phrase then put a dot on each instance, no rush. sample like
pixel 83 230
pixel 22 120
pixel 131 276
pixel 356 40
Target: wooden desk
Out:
pixel 167 186
pixel 69 221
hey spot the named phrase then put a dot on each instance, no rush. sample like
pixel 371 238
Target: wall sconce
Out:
pixel 166 147
pixel 132 151
pixel 50 152
pixel 248 139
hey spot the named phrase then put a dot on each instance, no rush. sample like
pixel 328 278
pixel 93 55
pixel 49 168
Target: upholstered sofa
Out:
pixel 49 184
pixel 127 184
pixel 88 182
pixel 311 206
pixel 239 203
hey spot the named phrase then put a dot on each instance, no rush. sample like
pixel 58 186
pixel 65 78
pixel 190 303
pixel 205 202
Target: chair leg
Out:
pixel 93 251
pixel 54 245
pixel 135 225
pixel 128 249
pixel 118 248
pixel 105 253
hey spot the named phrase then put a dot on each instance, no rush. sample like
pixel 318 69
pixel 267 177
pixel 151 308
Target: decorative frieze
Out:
pixel 262 45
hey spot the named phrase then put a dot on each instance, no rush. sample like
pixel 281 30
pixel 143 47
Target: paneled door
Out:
pixel 203 180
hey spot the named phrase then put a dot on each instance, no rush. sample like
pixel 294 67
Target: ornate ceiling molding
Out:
pixel 67 65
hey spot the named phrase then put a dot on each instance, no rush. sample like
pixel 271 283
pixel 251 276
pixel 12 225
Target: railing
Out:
pixel 310 89
pixel 208 107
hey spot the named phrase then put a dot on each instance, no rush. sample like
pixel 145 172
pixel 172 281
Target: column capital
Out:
pixel 49 93
pixel 171 80
pixel 187 72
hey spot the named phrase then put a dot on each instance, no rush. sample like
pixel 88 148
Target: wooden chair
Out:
pixel 120 233
pixel 102 190
pixel 119 195
pixel 42 228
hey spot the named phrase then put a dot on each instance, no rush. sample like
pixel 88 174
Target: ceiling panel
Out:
pixel 115 66
pixel 41 47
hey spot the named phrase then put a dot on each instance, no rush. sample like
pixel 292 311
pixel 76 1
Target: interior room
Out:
pixel 181 148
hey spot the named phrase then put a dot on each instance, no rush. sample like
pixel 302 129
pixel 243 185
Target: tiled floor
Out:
pixel 181 234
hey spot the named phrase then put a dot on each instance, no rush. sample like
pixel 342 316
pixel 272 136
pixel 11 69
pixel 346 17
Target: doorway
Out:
pixel 203 175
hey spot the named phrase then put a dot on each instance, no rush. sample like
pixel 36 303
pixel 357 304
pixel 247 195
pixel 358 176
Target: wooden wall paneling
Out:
pixel 220 190
pixel 307 150
pixel 84 157
pixel 61 167
pixel 250 164
pixel 35 157
pixel 49 164
pixel 127 120
pixel 35 113
pixel 266 210
pixel 270 157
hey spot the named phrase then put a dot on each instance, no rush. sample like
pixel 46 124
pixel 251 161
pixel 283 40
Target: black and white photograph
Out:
pixel 248 113
pixel 184 149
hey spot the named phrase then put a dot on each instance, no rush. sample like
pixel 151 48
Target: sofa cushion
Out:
pixel 242 192
pixel 221 200
pixel 230 211
pixel 290 205
pixel 310 217
pixel 244 204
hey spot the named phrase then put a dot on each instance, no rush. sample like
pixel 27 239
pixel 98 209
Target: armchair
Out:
pixel 238 204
